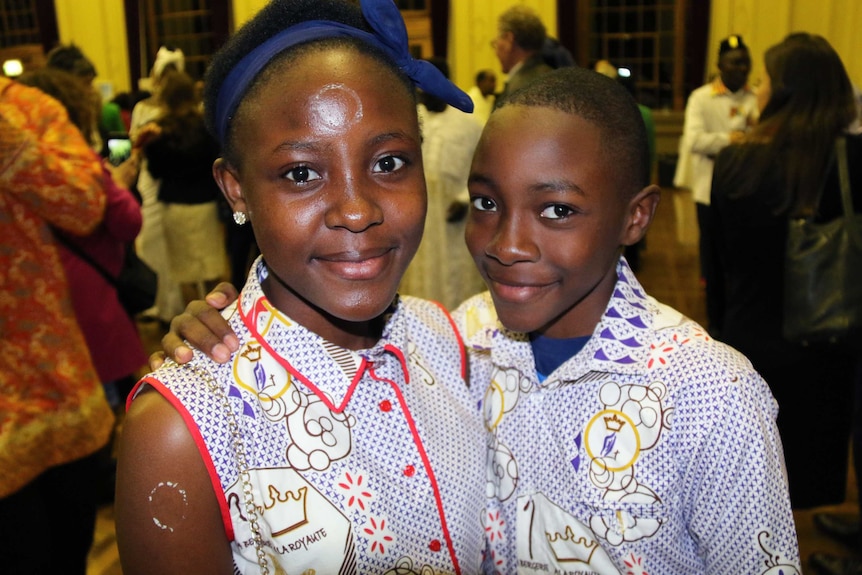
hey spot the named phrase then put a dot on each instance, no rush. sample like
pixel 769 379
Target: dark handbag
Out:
pixel 823 274
pixel 136 283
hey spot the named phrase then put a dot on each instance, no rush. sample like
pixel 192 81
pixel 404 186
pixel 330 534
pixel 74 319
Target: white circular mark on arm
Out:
pixel 168 502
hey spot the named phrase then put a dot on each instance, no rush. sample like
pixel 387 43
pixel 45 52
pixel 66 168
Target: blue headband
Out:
pixel 390 36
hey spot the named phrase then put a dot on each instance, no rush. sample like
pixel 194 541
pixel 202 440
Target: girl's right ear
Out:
pixel 227 178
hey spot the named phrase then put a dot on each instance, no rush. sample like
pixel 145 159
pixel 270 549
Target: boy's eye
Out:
pixel 557 212
pixel 484 204
pixel 302 174
pixel 389 164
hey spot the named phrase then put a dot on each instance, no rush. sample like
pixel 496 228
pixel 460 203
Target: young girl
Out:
pixel 341 437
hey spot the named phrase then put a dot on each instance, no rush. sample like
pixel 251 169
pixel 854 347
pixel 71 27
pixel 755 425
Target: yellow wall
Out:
pixel 243 10
pixel 98 28
pixel 763 23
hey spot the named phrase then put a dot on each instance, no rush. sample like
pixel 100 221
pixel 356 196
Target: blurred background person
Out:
pixel 111 335
pixel 716 115
pixel 483 93
pixel 442 269
pixel 776 172
pixel 180 154
pixel 556 55
pixel 53 414
pixel 519 43
pixel 151 243
pixel 107 120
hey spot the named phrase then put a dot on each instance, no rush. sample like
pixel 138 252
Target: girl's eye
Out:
pixel 389 164
pixel 557 212
pixel 302 175
pixel 484 204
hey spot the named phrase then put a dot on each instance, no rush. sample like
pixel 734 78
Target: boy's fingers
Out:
pixel 156 360
pixel 203 328
pixel 222 296
pixel 174 348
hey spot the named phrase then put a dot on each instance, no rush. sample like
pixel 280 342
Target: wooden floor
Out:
pixel 669 271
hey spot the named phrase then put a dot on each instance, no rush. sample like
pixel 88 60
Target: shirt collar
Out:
pixel 719 89
pixel 328 370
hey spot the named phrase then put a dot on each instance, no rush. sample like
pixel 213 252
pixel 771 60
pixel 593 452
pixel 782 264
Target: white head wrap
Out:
pixel 167 56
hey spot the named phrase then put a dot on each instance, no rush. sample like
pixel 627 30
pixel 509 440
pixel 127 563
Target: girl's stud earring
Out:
pixel 240 218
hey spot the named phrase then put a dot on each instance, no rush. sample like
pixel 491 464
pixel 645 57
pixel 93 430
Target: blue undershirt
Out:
pixel 550 353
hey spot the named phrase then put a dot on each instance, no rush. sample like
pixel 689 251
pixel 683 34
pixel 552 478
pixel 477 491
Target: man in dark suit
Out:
pixel 520 38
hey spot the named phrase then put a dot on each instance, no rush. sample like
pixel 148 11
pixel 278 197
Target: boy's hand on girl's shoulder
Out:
pixel 201 326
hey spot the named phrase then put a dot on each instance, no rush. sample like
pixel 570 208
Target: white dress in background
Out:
pixel 442 269
pixel 151 244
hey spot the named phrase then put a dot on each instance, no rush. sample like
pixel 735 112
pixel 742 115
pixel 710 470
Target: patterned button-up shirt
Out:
pixel 653 450
pixel 360 462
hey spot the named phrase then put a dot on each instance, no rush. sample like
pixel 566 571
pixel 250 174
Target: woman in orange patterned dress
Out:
pixel 53 413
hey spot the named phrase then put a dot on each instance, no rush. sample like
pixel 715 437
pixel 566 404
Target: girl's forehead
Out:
pixel 326 95
pixel 334 108
pixel 340 77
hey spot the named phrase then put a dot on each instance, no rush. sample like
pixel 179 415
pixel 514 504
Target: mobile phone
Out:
pixel 119 148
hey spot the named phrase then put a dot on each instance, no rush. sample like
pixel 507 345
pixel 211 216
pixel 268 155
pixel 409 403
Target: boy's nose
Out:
pixel 512 243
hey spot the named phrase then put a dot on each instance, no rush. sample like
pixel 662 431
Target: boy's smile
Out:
pixel 330 174
pixel 547 220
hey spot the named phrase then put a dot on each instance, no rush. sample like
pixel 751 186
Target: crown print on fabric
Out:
pixel 614 423
pixel 252 353
pixel 286 511
pixel 570 547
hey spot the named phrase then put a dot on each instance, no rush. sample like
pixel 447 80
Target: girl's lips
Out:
pixel 357 266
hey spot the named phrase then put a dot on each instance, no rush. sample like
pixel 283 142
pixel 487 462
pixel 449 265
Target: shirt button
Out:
pixel 385 405
pixel 409 471
pixel 435 545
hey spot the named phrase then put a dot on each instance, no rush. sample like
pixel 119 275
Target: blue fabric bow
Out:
pixel 390 36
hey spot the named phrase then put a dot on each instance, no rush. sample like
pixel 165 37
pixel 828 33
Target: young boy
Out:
pixel 622 438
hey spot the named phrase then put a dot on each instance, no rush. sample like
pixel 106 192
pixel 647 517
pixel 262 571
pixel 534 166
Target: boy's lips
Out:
pixel 364 264
pixel 514 290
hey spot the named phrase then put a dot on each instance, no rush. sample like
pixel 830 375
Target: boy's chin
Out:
pixel 514 317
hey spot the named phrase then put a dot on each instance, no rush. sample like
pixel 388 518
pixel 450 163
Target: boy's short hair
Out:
pixel 605 103
pixel 269 21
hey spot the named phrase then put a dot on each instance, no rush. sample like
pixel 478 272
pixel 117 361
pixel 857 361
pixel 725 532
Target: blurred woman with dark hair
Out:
pixel 777 172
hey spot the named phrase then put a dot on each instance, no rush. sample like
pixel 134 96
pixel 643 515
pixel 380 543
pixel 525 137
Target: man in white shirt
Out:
pixel 716 115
